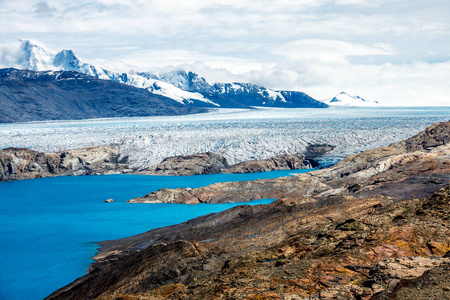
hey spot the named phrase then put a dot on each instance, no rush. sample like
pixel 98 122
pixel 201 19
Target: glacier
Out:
pixel 237 134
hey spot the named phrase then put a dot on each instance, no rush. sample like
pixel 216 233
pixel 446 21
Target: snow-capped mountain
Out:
pixel 184 87
pixel 344 99
pixel 234 94
pixel 30 56
pixel 27 55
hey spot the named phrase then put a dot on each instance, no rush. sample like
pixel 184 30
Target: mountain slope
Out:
pixel 186 88
pixel 62 95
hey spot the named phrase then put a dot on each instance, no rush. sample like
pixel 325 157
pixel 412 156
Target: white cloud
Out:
pixel 10 53
pixel 176 59
pixel 44 9
pixel 366 47
pixel 368 3
pixel 329 51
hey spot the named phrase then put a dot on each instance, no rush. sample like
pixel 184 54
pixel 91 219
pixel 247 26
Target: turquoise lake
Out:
pixel 49 226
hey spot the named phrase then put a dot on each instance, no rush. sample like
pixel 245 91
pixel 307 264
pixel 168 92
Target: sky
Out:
pixel 396 52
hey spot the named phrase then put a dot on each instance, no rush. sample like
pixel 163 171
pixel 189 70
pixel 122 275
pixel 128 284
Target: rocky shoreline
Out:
pixel 374 226
pixel 23 163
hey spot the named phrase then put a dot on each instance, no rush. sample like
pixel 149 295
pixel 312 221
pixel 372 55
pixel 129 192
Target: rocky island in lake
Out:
pixel 374 226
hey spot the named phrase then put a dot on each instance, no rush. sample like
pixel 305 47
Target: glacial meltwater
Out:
pixel 49 226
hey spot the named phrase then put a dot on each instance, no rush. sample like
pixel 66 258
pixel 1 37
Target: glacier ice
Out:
pixel 238 134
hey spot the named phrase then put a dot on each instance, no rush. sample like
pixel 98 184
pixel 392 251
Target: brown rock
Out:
pixel 432 284
pixel 290 247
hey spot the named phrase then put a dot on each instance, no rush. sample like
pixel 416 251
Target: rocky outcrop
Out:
pixel 195 164
pixel 280 162
pixel 241 191
pixel 434 136
pixel 359 230
pixel 316 150
pixel 433 284
pixel 22 163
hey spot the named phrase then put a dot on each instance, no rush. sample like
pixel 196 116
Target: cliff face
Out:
pixel 375 226
pixel 22 163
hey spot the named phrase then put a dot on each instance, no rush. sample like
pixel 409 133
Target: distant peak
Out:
pixel 26 41
pixel 30 44
pixel 67 60
pixel 346 99
pixel 68 54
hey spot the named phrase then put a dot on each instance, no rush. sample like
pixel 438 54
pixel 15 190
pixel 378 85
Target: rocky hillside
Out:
pixel 375 226
pixel 68 95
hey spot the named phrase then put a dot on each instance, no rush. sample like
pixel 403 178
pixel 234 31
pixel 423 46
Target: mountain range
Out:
pixel 26 96
pixel 184 87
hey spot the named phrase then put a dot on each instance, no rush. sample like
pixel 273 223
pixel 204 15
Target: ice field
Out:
pixel 238 134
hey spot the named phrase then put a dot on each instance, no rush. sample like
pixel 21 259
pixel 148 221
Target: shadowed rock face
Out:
pixel 314 151
pixel 280 162
pixel 195 164
pixel 340 233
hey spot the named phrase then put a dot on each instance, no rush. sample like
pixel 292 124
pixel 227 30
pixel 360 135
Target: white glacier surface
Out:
pixel 238 134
